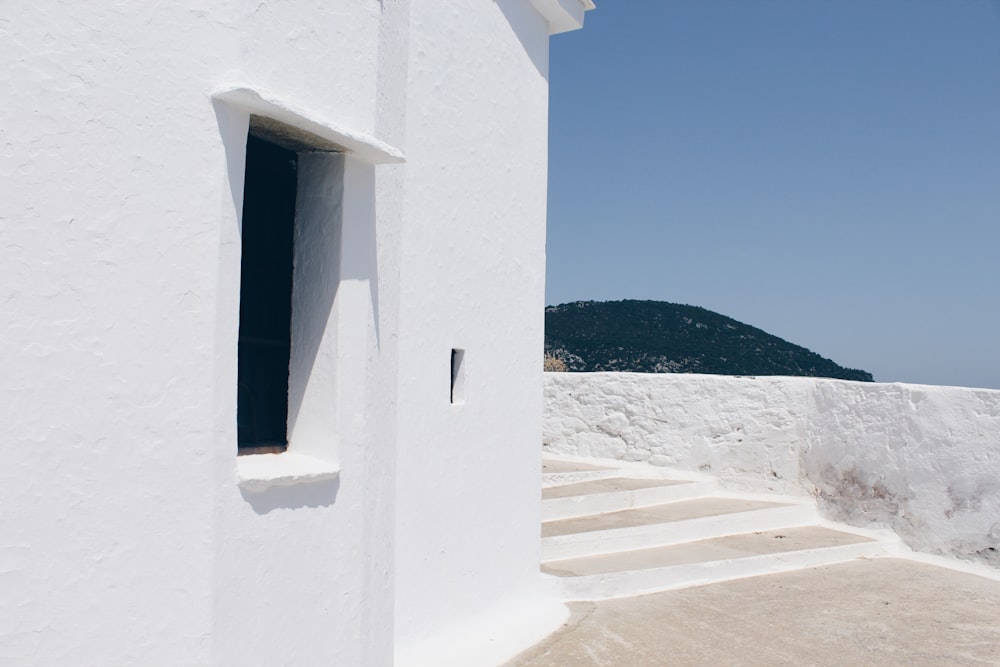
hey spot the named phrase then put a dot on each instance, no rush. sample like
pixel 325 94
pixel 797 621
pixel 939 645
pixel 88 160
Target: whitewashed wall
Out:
pixel 472 279
pixel 921 459
pixel 131 533
pixel 124 536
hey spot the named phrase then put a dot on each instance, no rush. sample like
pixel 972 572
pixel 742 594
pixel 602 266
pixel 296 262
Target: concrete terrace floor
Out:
pixel 883 611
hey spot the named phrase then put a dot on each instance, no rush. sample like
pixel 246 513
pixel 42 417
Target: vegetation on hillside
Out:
pixel 660 337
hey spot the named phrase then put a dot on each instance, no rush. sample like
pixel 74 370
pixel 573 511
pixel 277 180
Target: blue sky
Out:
pixel 826 170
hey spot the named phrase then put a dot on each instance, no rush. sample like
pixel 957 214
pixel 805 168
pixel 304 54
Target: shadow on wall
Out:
pixel 319 239
pixel 524 20
pixel 316 494
pixel 359 250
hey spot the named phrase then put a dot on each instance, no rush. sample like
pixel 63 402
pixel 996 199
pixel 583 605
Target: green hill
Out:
pixel 660 337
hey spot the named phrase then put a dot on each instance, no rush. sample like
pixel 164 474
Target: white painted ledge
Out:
pixel 257 472
pixel 262 103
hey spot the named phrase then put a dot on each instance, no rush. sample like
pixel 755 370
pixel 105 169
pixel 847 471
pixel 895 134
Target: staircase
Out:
pixel 614 529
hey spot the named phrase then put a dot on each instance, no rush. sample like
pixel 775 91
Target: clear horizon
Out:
pixel 828 172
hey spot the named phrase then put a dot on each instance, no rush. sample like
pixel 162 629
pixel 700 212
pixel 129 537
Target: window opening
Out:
pixel 265 296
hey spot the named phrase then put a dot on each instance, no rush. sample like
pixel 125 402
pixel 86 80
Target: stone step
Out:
pixel 670 523
pixel 715 549
pixel 710 560
pixel 568 465
pixel 559 471
pixel 556 472
pixel 614 494
pixel 617 529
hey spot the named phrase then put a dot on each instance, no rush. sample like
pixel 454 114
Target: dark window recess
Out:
pixel 457 376
pixel 265 297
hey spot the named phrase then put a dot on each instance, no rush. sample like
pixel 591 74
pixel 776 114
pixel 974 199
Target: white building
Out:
pixel 392 198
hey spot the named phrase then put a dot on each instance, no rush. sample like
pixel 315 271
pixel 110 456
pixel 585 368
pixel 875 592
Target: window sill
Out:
pixel 257 472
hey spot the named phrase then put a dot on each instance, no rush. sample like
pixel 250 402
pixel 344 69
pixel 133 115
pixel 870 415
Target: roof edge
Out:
pixel 563 15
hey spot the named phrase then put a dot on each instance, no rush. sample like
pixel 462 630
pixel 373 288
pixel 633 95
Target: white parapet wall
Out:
pixel 924 460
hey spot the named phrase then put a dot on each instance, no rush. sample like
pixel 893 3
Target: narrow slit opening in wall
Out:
pixel 457 376
pixel 265 297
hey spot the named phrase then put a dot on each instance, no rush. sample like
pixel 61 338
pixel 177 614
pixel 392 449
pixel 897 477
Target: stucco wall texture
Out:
pixel 125 536
pixel 473 279
pixel 922 460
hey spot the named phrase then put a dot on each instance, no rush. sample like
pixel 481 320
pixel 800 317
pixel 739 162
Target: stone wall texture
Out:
pixel 923 460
